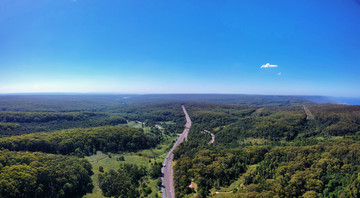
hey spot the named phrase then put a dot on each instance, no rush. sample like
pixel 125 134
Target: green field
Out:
pixel 138 125
pixel 141 158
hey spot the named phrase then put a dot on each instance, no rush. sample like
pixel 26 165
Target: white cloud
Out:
pixel 279 74
pixel 267 65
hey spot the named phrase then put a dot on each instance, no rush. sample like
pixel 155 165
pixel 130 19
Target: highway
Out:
pixel 167 188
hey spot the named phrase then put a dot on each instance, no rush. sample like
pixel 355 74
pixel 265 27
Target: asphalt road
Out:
pixel 167 188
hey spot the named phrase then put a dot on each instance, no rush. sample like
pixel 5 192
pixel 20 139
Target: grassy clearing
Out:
pixel 138 125
pixel 141 158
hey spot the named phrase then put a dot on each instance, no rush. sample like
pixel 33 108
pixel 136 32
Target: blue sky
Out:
pixel 152 46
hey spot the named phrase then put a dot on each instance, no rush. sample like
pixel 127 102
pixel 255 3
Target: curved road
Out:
pixel 212 136
pixel 167 189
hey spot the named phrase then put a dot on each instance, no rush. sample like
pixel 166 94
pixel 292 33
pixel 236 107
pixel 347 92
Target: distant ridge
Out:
pixel 321 99
pixel 245 99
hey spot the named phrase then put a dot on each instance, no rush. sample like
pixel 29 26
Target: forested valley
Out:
pixel 113 146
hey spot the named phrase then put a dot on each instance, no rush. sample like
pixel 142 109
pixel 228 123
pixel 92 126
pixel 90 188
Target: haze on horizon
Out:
pixel 242 47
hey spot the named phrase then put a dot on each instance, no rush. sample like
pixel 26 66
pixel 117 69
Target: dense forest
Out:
pixel 32 114
pixel 324 170
pixel 123 182
pixel 329 169
pixel 274 151
pixel 40 116
pixel 82 141
pixel 24 174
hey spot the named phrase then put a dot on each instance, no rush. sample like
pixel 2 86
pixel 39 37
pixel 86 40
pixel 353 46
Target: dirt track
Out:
pixel 212 136
pixel 309 115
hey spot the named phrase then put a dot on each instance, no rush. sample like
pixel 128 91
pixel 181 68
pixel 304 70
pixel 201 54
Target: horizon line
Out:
pixel 158 93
